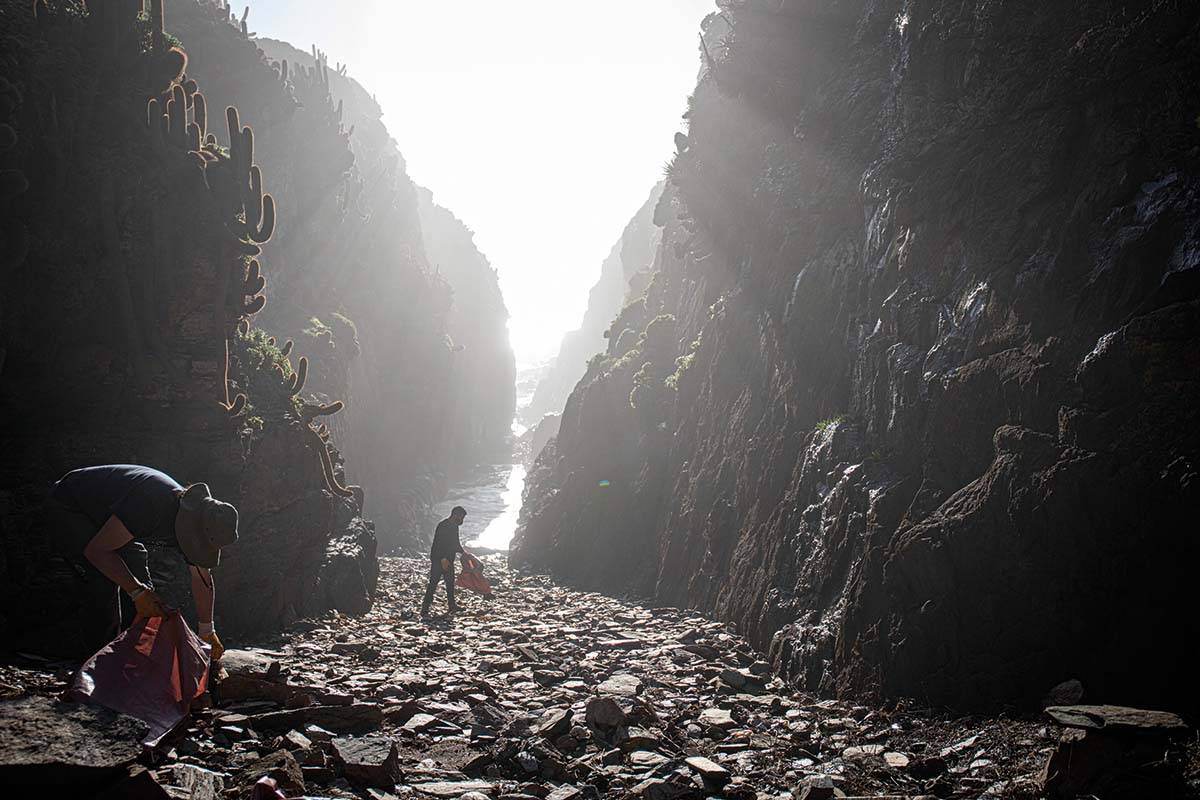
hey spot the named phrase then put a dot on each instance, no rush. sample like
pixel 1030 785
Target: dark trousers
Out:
pixel 101 603
pixel 436 574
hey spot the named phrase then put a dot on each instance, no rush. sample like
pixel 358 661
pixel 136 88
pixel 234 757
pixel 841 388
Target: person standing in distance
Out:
pixel 441 558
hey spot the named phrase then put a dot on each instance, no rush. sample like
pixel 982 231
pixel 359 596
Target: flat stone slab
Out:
pixel 717 718
pixel 622 685
pixel 708 769
pixel 420 722
pixel 46 742
pixel 1117 718
pixel 644 759
pixel 354 718
pixel 452 788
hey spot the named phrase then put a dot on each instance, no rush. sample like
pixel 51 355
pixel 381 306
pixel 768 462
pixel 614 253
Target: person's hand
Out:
pixel 148 604
pixel 445 565
pixel 218 649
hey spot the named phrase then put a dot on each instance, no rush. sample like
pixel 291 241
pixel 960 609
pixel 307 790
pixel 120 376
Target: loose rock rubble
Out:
pixel 544 693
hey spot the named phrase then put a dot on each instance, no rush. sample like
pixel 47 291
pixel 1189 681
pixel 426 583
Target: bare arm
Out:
pixel 102 552
pixel 203 594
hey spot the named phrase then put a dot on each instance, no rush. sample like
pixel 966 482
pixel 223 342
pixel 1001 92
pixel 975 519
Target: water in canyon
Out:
pixel 491 494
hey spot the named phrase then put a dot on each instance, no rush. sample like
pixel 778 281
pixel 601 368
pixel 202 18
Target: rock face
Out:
pixel 484 398
pixel 911 396
pixel 625 270
pixel 204 294
pixel 407 325
pixel 530 444
pixel 128 325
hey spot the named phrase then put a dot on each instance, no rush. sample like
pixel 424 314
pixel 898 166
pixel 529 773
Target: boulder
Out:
pixel 368 762
pixel 1112 752
pixel 604 714
pixel 555 722
pixel 48 743
pixel 280 766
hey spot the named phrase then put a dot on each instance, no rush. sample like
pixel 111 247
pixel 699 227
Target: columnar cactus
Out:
pixel 236 407
pixel 200 114
pixel 310 411
pixel 331 481
pixel 299 377
pixel 254 305
pixel 255 282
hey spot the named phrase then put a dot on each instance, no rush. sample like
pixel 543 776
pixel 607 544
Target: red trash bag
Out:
pixel 471 577
pixel 152 672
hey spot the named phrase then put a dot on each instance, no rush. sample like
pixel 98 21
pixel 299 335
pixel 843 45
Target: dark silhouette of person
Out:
pixel 441 558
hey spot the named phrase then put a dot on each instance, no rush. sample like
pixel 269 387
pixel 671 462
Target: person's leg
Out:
pixel 98 614
pixel 435 572
pixel 137 559
pixel 449 577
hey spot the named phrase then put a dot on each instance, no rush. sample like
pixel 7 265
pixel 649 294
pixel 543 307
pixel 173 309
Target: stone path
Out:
pixel 544 692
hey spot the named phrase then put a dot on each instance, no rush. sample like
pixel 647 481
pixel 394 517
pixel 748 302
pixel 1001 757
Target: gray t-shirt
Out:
pixel 144 499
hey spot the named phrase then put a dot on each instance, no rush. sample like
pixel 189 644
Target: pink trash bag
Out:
pixel 471 577
pixel 152 672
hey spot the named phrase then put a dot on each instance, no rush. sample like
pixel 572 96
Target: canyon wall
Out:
pixel 484 398
pixel 355 284
pixel 629 260
pixel 207 257
pixel 133 274
pixel 912 395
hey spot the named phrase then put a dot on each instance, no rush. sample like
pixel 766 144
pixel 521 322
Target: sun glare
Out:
pixel 542 124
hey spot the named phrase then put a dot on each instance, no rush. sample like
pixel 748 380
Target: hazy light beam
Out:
pixel 541 124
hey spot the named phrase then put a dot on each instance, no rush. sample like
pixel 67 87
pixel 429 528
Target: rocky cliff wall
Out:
pixel 352 284
pixel 912 395
pixel 629 260
pixel 132 281
pixel 483 399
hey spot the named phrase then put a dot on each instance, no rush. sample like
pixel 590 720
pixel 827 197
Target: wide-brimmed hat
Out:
pixel 204 525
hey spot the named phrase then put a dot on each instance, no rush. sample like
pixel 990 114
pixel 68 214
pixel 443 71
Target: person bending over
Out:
pixel 441 558
pixel 104 515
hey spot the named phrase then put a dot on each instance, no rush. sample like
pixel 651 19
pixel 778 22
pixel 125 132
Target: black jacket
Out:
pixel 445 541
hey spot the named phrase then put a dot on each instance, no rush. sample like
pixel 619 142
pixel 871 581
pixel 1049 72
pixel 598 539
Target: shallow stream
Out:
pixel 491 494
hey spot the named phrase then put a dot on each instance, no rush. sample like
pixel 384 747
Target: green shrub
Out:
pixel 825 424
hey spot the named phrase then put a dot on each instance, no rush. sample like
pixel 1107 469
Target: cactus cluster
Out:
pixel 237 184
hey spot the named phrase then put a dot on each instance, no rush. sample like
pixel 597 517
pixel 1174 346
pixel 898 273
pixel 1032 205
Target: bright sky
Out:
pixel 542 124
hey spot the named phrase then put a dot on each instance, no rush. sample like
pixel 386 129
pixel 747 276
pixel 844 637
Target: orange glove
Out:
pixel 445 565
pixel 148 603
pixel 218 649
